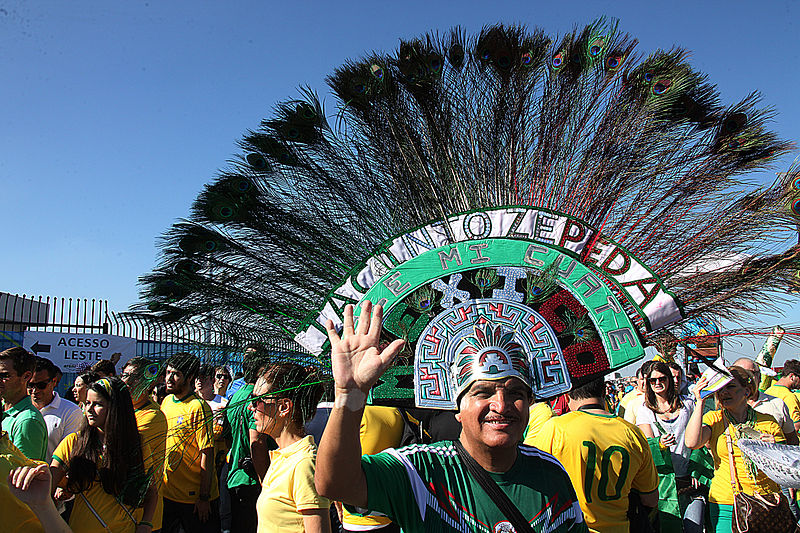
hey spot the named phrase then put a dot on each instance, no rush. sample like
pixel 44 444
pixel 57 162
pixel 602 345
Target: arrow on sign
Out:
pixel 37 348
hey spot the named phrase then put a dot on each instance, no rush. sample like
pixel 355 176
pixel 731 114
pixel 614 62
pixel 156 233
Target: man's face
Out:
pixel 676 377
pixel 176 382
pixel 130 376
pixel 40 388
pixel 495 413
pixel 12 385
pixel 640 383
pixel 203 383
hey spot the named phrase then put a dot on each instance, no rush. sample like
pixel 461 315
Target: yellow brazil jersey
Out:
pixel 791 401
pixel 720 491
pixel 16 516
pixel 95 510
pixel 288 488
pixel 381 428
pixel 539 413
pixel 153 429
pixel 605 457
pixel 189 432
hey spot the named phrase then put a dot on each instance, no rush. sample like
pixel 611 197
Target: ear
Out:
pixel 458 417
pixel 285 407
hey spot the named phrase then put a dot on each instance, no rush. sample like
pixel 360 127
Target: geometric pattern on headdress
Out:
pixel 490 353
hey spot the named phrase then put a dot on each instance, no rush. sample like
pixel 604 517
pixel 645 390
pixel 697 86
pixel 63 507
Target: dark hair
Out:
pixel 161 392
pixel 120 467
pixel 21 359
pixel 301 385
pixel 89 377
pixel 224 369
pixel 675 366
pixel 594 389
pixel 646 367
pixel 255 346
pixel 187 364
pixel 105 367
pixel 792 366
pixel 672 393
pixel 47 365
pixel 206 372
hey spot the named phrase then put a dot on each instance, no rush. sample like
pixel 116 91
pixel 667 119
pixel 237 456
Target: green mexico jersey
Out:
pixel 427 488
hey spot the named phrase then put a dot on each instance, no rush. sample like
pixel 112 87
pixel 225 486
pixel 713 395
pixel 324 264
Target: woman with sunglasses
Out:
pixel 285 397
pixel 222 378
pixel 665 415
pixel 107 466
pixel 734 419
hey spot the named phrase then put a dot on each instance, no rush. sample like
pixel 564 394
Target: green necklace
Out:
pixel 748 422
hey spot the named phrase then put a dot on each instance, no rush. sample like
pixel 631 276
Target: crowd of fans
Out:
pixel 185 447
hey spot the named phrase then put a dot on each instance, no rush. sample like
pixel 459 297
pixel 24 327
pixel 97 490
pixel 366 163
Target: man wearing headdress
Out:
pixel 428 487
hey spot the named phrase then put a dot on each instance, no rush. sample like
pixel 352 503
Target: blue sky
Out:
pixel 113 115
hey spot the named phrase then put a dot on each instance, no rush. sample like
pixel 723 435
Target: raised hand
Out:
pixel 357 363
pixel 702 382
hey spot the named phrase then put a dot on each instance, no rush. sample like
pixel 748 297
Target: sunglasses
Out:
pixel 41 385
pixel 222 376
pixel 256 400
pixel 662 379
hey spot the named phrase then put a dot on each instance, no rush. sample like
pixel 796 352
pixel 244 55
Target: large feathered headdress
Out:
pixel 565 189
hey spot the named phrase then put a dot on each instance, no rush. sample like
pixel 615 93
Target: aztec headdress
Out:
pixel 563 199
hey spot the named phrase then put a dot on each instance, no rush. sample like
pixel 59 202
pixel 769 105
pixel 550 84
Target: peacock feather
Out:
pixel 640 147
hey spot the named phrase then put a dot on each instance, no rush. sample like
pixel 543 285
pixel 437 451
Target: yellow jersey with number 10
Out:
pixel 605 457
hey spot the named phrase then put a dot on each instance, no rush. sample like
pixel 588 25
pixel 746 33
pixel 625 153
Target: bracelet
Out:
pixel 145 523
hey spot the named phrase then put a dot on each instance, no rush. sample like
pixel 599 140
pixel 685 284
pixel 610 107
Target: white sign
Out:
pixel 74 351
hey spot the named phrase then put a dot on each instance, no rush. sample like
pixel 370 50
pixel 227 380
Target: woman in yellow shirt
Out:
pixel 284 398
pixel 738 419
pixel 106 465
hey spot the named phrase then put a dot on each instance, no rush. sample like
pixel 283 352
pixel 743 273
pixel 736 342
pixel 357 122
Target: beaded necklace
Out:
pixel 748 422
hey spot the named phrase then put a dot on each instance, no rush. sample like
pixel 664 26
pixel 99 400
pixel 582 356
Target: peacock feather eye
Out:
pixel 210 246
pixel 796 184
pixel 435 63
pixel 661 86
pixel 257 161
pixel 243 185
pixel 526 59
pixel 425 304
pixel 597 46
pixel 648 77
pixel 292 133
pixel 377 71
pixel 558 60
pixel 796 207
pixel 359 88
pixel 226 211
pixel 504 62
pixel 734 123
pixel 151 371
pixel 306 111
pixel 486 54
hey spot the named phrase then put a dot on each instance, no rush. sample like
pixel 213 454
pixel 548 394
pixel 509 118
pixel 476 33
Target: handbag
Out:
pixel 503 502
pixel 757 513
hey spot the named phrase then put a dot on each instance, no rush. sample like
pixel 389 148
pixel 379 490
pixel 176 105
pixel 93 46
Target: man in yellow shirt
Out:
pixel 606 458
pixel 630 403
pixel 191 497
pixel 790 380
pixel 150 420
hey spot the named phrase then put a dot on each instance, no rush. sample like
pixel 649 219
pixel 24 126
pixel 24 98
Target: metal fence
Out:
pixel 155 339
